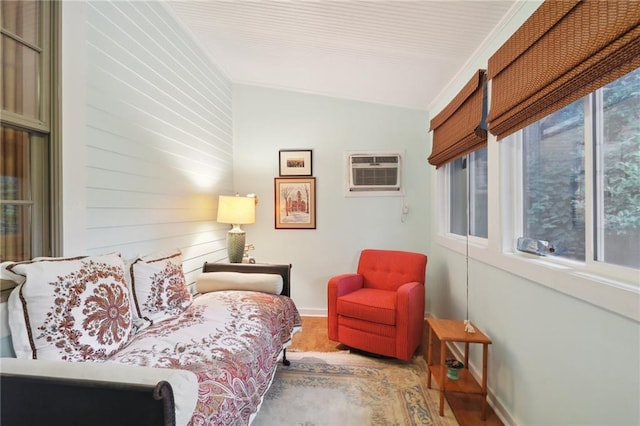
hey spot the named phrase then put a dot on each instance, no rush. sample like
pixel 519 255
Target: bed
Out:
pixel 211 364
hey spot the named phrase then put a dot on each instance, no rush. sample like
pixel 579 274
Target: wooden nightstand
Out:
pixel 453 331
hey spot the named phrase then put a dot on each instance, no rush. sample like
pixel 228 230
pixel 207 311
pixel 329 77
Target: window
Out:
pixel 553 181
pixel 478 220
pixel 24 204
pixel 26 129
pixel 476 224
pixel 617 172
pixel 581 176
pixel 458 196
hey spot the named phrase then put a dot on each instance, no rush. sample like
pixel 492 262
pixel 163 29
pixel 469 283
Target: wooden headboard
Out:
pixel 256 268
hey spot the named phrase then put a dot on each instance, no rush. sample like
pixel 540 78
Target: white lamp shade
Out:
pixel 236 210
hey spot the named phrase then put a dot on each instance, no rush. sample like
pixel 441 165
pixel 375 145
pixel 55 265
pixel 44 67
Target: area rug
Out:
pixel 349 389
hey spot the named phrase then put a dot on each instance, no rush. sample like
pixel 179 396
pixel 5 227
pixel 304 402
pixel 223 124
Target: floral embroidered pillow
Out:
pixel 70 309
pixel 158 287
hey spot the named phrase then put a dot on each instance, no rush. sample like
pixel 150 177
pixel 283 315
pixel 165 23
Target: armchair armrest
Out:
pixel 410 315
pixel 339 286
pixel 345 283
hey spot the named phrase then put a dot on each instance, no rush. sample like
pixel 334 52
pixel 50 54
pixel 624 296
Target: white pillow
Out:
pixel 218 281
pixel 159 287
pixel 6 274
pixel 70 309
pixel 184 383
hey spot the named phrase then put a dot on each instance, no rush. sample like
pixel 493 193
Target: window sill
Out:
pixel 619 297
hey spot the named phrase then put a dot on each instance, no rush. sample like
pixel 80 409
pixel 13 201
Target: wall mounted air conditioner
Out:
pixel 374 173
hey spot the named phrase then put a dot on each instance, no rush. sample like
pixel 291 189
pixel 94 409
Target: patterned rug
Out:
pixel 342 388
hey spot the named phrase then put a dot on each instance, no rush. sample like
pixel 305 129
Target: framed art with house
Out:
pixel 295 203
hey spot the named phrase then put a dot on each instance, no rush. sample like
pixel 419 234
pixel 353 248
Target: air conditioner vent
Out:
pixel 374 173
pixel 372 160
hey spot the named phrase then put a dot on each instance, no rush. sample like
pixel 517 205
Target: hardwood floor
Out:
pixel 466 408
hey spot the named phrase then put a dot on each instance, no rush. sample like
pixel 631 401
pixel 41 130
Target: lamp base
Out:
pixel 235 245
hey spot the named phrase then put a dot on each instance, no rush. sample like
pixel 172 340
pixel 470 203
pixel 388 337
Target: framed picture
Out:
pixel 295 203
pixel 295 162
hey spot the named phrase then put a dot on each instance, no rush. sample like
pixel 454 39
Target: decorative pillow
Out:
pixel 158 287
pixel 70 309
pixel 218 281
pixel 6 274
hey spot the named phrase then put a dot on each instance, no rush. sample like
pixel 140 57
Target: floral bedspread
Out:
pixel 231 340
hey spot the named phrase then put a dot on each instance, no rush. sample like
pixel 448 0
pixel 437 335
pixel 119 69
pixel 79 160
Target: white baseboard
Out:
pixel 310 312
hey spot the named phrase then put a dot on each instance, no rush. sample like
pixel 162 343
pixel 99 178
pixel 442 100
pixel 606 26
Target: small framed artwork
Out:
pixel 296 162
pixel 295 203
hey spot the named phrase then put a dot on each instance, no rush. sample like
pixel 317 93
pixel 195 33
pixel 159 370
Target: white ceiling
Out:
pixel 395 52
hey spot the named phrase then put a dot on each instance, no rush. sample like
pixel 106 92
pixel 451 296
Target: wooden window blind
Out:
pixel 460 128
pixel 565 50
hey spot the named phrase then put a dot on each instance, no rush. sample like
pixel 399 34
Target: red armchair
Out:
pixel 380 309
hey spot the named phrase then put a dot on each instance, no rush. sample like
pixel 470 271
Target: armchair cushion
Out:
pixel 369 304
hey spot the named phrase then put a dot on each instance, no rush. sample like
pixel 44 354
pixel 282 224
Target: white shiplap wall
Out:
pixel 159 137
pixel 145 170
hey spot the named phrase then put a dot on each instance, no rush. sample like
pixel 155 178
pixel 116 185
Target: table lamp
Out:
pixel 236 211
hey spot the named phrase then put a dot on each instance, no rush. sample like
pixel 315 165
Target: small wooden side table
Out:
pixel 453 331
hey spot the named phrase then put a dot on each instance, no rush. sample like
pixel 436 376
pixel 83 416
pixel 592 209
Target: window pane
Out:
pixel 553 176
pixel 22 19
pixel 20 193
pixel 458 196
pixel 20 79
pixel 618 207
pixel 16 232
pixel 14 164
pixel 478 188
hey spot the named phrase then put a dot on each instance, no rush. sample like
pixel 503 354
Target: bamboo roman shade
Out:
pixel 565 50
pixel 460 128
